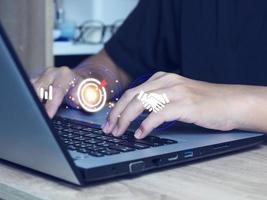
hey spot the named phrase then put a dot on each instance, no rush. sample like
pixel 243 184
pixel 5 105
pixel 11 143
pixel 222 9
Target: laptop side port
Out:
pixel 173 158
pixel 188 154
pixel 163 160
pixel 158 161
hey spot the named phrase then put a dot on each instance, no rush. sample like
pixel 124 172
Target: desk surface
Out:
pixel 237 176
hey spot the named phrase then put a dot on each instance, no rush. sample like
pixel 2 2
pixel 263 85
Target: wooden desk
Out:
pixel 241 176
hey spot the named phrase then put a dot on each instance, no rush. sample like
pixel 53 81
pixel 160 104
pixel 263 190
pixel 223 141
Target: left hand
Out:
pixel 213 106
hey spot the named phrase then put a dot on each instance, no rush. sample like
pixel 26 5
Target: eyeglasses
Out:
pixel 96 32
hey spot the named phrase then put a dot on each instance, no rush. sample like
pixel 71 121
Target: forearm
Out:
pixel 253 108
pixel 91 67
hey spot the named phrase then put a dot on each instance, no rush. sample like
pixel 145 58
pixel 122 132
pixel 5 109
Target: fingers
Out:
pixel 164 94
pixel 127 97
pixel 132 111
pixel 61 88
pixel 153 120
pixel 117 110
pixel 160 80
pixel 44 81
pixel 60 79
pixel 157 108
pixel 52 106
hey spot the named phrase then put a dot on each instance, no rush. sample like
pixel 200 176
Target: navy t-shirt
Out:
pixel 220 41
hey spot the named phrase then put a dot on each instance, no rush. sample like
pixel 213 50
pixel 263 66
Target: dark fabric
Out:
pixel 221 41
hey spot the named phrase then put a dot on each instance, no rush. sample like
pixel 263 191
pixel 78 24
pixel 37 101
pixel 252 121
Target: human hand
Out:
pixel 214 106
pixel 64 81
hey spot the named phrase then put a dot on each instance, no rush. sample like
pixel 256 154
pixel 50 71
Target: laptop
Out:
pixel 76 151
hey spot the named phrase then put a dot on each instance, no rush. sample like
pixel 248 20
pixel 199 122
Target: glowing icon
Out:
pixel 92 94
pixel 152 101
pixel 46 94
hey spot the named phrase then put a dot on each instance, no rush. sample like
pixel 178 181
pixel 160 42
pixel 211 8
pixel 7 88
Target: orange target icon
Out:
pixel 92 94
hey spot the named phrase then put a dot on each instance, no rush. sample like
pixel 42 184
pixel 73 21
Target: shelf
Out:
pixel 69 48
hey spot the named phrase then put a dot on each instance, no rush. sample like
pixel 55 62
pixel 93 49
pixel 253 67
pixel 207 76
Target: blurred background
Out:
pixel 61 32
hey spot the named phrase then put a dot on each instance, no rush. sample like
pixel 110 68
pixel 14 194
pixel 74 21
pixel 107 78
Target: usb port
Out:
pixel 188 154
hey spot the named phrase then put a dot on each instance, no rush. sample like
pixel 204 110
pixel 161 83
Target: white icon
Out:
pixel 152 101
pixel 46 94
pixel 92 95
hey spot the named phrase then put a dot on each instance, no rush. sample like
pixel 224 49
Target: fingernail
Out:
pixel 105 127
pixel 109 127
pixel 138 134
pixel 50 114
pixel 115 131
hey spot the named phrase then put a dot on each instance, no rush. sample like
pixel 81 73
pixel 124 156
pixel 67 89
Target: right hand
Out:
pixel 60 79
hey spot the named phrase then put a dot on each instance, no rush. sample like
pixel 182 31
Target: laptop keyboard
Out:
pixel 80 136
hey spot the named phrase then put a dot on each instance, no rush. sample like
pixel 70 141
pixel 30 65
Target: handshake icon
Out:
pixel 152 101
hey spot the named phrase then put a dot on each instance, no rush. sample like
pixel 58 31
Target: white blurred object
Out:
pixel 67 29
pixel 56 34
pixel 69 48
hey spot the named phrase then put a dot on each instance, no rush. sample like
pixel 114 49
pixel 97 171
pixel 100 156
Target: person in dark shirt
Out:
pixel 210 59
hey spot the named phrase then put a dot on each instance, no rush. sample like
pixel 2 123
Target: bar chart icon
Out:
pixel 46 94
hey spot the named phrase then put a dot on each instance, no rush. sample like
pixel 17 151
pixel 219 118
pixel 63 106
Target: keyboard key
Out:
pixel 104 144
pixel 90 135
pixel 77 127
pixel 152 140
pixel 102 137
pixel 58 127
pixel 95 148
pixel 82 150
pixel 77 145
pixel 141 141
pixel 121 148
pixel 93 141
pixel 79 132
pixel 135 145
pixel 68 130
pixel 67 142
pixel 168 141
pixel 94 153
pixel 127 137
pixel 88 129
pixel 68 135
pixel 71 147
pixel 80 138
pixel 115 140
pixel 97 131
pixel 108 151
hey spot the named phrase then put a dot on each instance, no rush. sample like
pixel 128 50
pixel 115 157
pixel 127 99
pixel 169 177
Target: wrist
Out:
pixel 251 110
pixel 242 112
